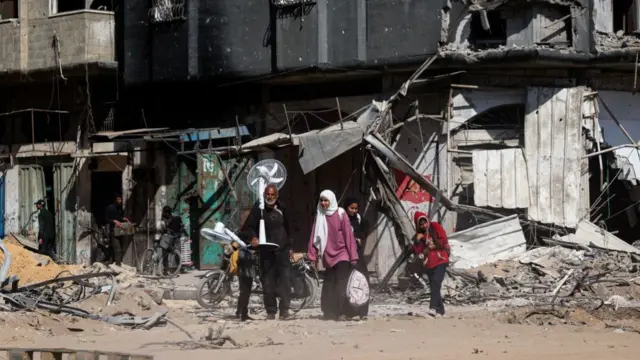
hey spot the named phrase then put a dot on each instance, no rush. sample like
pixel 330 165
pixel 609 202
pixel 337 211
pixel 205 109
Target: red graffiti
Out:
pixel 409 190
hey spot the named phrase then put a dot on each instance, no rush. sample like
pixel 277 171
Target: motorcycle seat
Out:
pixel 298 256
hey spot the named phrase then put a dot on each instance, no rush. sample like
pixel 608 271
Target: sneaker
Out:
pixel 271 316
pixel 433 313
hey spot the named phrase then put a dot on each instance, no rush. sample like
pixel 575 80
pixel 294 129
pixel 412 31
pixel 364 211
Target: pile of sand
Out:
pixel 31 267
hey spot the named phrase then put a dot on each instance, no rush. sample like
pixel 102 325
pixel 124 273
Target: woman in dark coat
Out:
pixel 351 205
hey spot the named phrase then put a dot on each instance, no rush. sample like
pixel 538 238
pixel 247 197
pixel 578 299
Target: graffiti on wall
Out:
pixel 409 191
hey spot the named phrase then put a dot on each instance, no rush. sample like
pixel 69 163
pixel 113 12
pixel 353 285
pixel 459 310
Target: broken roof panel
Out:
pixel 589 234
pixel 274 139
pixel 500 179
pixel 499 239
pixel 319 147
pixel 139 133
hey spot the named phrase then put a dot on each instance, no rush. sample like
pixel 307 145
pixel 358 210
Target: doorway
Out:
pixel 104 186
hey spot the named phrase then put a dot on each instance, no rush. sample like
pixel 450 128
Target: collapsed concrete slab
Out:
pixel 588 234
pixel 496 240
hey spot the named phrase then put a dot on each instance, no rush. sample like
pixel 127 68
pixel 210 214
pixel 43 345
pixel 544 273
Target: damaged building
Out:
pixel 58 69
pixel 516 108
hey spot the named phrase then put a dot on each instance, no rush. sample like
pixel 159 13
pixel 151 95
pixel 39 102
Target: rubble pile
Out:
pixel 547 275
pixel 99 292
pixel 30 267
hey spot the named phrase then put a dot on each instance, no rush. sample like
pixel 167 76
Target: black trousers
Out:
pixel 275 268
pixel 48 247
pixel 116 243
pixel 436 277
pixel 333 300
pixel 246 283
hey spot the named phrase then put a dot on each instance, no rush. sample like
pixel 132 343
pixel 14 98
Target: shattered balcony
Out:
pixel 38 37
pixel 495 26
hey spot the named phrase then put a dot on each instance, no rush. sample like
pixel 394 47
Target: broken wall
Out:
pixel 558 25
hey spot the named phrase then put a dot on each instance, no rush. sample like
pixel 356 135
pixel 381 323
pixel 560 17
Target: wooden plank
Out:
pixel 531 147
pixel 51 355
pixel 84 355
pixel 558 128
pixel 19 354
pixel 117 357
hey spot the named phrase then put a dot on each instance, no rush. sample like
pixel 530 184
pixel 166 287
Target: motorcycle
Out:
pixel 216 284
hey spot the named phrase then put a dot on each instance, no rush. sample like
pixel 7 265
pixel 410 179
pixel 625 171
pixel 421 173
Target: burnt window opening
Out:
pixel 554 26
pixel 8 9
pixel 47 127
pixel 507 117
pixel 61 6
pixel 493 37
pixel 626 16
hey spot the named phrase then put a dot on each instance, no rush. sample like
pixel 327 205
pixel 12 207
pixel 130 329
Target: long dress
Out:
pixel 338 258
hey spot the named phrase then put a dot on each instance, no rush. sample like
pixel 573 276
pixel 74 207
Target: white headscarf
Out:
pixel 321 231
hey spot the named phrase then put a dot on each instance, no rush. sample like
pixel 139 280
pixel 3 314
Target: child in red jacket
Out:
pixel 431 242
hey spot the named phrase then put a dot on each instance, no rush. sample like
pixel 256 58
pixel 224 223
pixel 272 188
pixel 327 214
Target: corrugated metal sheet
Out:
pixel 32 189
pixel 553 149
pixel 486 243
pixel 65 197
pixel 500 179
pixel 218 202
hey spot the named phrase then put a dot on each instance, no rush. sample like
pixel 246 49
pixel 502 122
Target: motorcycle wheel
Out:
pixel 206 295
pixel 147 263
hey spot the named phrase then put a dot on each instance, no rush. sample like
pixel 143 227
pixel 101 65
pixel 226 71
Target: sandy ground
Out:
pixel 399 334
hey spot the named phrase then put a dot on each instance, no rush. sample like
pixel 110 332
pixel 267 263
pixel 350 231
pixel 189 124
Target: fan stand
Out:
pixel 268 246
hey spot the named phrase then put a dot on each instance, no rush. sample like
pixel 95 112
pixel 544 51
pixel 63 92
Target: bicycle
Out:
pixel 163 259
pixel 216 284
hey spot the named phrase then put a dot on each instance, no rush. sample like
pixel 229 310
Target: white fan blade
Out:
pixel 276 180
pixel 273 171
pixel 254 181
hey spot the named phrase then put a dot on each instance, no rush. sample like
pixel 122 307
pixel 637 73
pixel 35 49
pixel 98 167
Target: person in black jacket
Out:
pixel 114 218
pixel 275 266
pixel 46 231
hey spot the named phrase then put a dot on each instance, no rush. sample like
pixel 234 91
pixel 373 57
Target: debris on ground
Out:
pixel 546 276
pixel 104 293
pixel 214 339
pixel 31 267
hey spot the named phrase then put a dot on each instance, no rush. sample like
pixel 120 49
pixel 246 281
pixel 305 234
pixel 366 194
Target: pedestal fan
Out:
pixel 265 172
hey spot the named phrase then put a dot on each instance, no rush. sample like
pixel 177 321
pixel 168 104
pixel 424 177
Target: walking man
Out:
pixel 46 231
pixel 115 217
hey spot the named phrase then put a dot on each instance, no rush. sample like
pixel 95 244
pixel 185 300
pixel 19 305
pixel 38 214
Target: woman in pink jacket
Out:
pixel 332 241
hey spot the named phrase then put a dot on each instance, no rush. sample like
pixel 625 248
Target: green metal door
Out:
pixel 224 197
